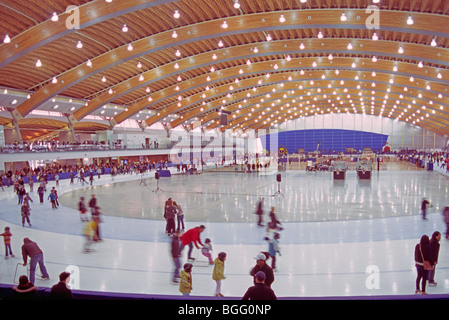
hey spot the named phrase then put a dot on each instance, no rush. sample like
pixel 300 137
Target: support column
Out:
pixel 71 121
pixel 16 116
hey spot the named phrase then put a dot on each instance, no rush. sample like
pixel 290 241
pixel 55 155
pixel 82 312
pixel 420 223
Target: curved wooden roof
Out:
pixel 265 62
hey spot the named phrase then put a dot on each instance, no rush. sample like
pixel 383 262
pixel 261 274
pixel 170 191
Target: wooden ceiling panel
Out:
pixel 199 29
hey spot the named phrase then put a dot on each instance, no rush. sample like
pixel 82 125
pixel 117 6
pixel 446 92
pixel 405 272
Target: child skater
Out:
pixel 206 250
pixel 7 239
pixel 185 285
pixel 218 273
pixel 273 248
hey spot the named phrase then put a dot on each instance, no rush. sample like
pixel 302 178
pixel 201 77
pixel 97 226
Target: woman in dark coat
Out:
pixel 25 290
pixel 434 251
pixel 169 215
pixel 422 253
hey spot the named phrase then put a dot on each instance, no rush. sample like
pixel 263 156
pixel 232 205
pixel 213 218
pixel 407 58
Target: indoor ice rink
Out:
pixel 336 234
pixel 335 113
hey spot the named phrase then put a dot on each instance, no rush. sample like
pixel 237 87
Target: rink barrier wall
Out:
pixel 327 139
pixel 6 293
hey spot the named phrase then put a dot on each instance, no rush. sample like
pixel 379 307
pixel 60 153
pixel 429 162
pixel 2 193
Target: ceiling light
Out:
pixel 269 37
pixel 343 17
pixel 139 65
pixel 125 28
pixel 282 19
pixel 54 17
pixel 38 63
pixel 176 15
pixel 410 20
pixel 320 35
pixel 375 37
pixel 103 79
pixel 220 44
pixel 301 46
pixel 420 64
pixel 79 45
pixel 174 34
pixel 401 50
pixel 130 47
pixel 7 39
pixel 224 25
pixel 350 46
pixel 54 80
pixel 433 43
pixel 89 63
pixel 236 4
pixel 178 53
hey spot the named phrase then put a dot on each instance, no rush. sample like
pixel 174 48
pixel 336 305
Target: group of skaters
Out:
pixel 26 288
pixel 262 273
pixel 273 229
pixel 173 212
pixel 24 198
pixel 426 259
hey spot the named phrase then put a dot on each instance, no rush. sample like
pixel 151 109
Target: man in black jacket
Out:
pixel 261 265
pixel 259 291
pixel 60 290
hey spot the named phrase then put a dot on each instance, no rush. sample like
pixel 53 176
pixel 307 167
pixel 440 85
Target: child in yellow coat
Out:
pixel 185 285
pixel 218 273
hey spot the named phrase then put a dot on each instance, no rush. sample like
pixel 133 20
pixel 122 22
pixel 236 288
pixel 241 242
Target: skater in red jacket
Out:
pixel 191 236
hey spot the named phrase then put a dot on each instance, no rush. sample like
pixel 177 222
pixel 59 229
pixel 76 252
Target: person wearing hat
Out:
pixel 261 265
pixel 260 291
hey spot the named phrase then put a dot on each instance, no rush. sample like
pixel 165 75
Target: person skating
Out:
pixel 32 250
pixel 218 272
pixel 191 237
pixel 434 252
pixel 422 264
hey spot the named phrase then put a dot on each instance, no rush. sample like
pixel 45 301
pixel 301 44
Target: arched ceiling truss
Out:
pixel 264 63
